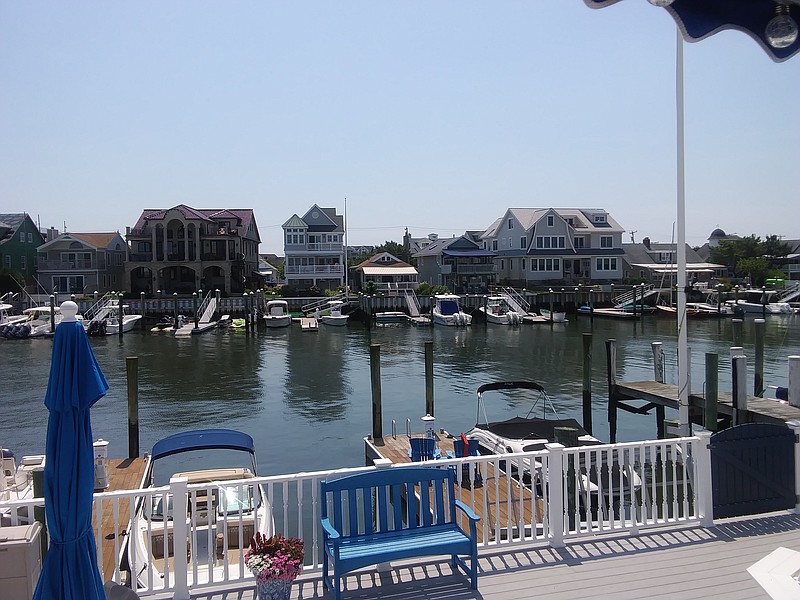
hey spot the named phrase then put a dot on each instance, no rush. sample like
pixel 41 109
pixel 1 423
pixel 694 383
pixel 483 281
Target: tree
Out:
pixel 756 268
pixel 739 255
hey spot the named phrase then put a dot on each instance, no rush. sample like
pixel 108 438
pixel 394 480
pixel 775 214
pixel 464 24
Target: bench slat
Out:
pixel 383 510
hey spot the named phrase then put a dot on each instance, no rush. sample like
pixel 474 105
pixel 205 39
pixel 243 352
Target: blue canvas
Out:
pixel 70 569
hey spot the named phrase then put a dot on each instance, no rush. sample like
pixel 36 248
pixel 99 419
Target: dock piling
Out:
pixel 429 379
pixel 794 382
pixel 736 332
pixel 712 391
pixel 758 379
pixel 142 310
pixel 587 382
pixel 375 376
pixel 658 361
pixel 52 314
pixel 120 316
pixel 132 371
pixel 611 369
pixel 739 388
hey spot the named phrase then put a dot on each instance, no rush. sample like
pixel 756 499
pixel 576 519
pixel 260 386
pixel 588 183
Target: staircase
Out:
pixel 515 300
pixel 208 308
pixel 101 309
pixel 789 294
pixel 311 308
pixel 412 303
pixel 637 293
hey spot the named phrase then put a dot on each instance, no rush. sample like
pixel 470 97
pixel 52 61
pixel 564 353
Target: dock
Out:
pixel 123 474
pixel 190 329
pixel 309 324
pixel 420 321
pixel 759 410
pixel 498 499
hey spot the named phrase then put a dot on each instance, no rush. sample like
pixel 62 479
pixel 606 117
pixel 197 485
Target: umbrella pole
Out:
pixel 683 340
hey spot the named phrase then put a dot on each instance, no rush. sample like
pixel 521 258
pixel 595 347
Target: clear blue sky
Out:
pixel 431 115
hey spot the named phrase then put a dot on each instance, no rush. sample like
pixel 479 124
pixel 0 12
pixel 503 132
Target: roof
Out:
pixel 386 270
pixel 454 246
pixel 245 216
pixel 203 439
pixel 638 254
pixel 12 222
pixel 375 260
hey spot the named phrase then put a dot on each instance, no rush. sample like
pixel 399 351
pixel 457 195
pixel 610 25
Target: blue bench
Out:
pixel 411 511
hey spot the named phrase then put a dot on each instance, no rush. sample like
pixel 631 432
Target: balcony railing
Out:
pixel 314 270
pixel 473 269
pixel 554 494
pixel 67 265
pixel 314 247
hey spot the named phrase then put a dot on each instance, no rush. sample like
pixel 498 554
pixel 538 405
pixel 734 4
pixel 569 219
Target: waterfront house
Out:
pixel 556 245
pixel 314 249
pixel 19 238
pixel 385 272
pixel 459 263
pixel 656 262
pixel 82 263
pixel 184 249
pixel 413 245
pixel 268 269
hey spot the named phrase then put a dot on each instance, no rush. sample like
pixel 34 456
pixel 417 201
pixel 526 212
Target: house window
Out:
pixel 494 245
pixel 606 264
pixel 599 218
pixel 72 284
pixel 23 263
pixel 523 242
pixel 523 265
pixel 579 242
pixel 546 264
pixel 510 264
pixel 7 261
pixel 511 224
pixel 550 241
pixel 30 237
pixel 606 241
pixel 665 257
pixel 550 220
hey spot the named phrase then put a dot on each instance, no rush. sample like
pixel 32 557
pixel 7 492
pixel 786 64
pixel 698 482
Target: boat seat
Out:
pixel 248 531
pixel 157 544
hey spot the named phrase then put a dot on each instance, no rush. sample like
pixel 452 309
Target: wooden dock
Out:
pixel 420 321
pixel 190 329
pixel 123 474
pixel 759 410
pixel 491 500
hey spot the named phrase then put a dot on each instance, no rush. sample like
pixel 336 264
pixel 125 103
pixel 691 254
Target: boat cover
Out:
pixel 203 439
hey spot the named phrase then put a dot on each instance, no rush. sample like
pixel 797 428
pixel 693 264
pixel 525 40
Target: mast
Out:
pixel 346 286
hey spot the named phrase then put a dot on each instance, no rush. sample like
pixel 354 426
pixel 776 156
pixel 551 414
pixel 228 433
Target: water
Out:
pixel 306 397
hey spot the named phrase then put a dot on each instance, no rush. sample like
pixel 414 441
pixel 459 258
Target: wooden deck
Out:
pixel 491 499
pixel 687 563
pixel 123 474
pixel 761 410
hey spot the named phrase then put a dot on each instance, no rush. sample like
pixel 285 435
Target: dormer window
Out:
pixel 599 218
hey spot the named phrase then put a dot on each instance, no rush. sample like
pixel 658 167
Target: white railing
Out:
pixel 314 270
pixel 545 496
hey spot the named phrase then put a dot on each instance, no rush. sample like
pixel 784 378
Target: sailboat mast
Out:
pixel 346 286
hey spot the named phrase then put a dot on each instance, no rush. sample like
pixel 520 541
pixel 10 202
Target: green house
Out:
pixel 19 239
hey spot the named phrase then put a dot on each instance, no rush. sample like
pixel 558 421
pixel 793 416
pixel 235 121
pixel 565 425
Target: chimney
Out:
pixel 646 242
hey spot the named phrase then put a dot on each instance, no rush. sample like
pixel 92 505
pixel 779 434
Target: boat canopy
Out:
pixel 203 439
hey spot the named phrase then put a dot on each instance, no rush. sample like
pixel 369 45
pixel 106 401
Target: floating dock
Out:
pixel 309 324
pixel 190 329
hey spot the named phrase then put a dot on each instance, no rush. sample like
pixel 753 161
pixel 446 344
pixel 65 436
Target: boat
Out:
pixel 36 323
pixel 390 316
pixel 614 313
pixel 498 311
pixel 558 316
pixel 224 512
pixel 277 314
pixel 167 322
pixel 760 302
pixel 16 483
pixel 531 433
pixel 332 315
pixel 6 318
pixel 447 311
pixel 695 310
pixel 109 325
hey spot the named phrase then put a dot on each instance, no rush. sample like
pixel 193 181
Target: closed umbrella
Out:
pixel 70 570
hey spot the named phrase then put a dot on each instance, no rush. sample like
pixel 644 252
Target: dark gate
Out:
pixel 752 469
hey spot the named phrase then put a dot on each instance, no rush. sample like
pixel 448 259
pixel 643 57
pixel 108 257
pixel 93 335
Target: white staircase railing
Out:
pixel 637 293
pixel 312 307
pixel 210 307
pixel 412 302
pixel 515 300
pixel 789 294
pixel 100 309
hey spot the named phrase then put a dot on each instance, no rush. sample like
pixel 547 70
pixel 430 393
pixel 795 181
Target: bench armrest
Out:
pixel 467 511
pixel 329 529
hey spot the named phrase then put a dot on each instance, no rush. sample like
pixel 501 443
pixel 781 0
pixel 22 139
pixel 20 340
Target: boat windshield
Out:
pixel 448 307
pixel 236 499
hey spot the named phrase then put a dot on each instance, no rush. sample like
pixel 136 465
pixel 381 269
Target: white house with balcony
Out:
pixel 566 245
pixel 314 249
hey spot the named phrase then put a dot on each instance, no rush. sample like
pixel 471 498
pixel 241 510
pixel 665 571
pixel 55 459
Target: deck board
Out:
pixel 123 474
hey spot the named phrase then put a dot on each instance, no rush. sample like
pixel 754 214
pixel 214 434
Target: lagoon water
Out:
pixel 306 397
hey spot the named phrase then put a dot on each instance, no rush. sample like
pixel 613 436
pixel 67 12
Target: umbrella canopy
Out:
pixel 76 382
pixel 772 24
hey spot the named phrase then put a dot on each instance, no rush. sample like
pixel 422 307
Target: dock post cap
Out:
pixel 68 311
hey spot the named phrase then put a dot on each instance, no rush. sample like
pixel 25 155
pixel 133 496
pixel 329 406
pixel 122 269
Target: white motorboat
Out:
pixel 6 318
pixel 333 314
pixel 223 510
pixel 109 323
pixel 498 311
pixel 277 314
pixel 557 316
pixel 447 311
pixel 16 483
pixel 758 301
pixel 35 324
pixel 530 433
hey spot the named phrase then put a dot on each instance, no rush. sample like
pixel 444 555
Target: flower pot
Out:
pixel 274 589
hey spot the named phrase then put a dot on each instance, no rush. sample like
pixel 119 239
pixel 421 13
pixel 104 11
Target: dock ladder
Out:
pixel 515 300
pixel 100 309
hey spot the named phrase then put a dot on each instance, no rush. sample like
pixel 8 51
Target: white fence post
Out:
pixel 701 453
pixel 795 426
pixel 553 479
pixel 180 493
pixel 794 380
pixel 381 463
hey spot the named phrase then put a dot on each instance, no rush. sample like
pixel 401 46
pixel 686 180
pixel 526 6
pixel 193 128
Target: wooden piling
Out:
pixel 375 376
pixel 658 361
pixel 736 331
pixel 196 316
pixel 429 379
pixel 175 307
pixel 739 389
pixel 794 380
pixel 132 369
pixel 587 382
pixel 120 316
pixel 611 370
pixel 551 305
pixel 712 391
pixel 52 314
pixel 142 310
pixel 758 379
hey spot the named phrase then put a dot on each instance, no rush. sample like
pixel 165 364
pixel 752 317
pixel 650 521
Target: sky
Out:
pixel 434 116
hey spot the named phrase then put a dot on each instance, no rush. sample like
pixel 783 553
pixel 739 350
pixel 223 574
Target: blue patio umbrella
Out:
pixel 76 382
pixel 771 23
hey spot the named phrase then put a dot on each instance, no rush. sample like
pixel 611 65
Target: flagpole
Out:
pixel 683 340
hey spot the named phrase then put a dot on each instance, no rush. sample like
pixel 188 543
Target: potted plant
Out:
pixel 275 561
